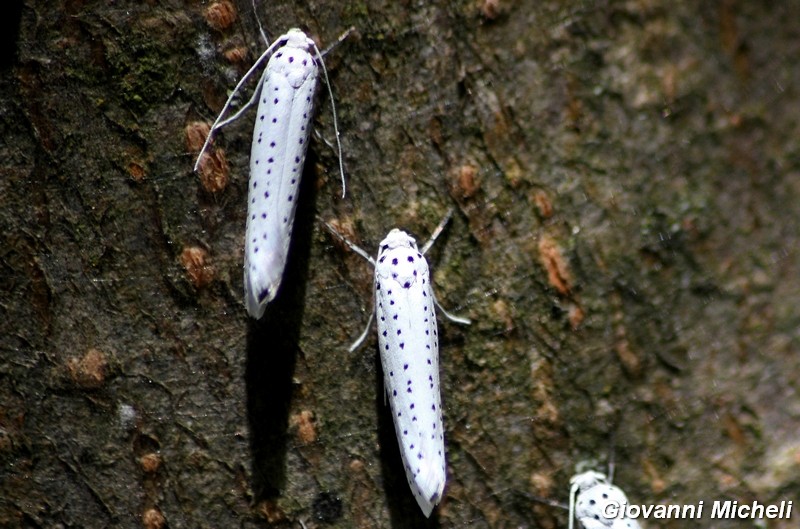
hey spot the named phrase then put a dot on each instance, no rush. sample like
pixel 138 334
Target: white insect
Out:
pixel 280 137
pixel 589 496
pixel 409 347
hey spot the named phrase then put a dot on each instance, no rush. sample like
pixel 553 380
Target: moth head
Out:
pixel 397 239
pixel 586 480
pixel 296 38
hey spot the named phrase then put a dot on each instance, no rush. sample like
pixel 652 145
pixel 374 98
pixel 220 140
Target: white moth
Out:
pixel 589 496
pixel 409 347
pixel 285 95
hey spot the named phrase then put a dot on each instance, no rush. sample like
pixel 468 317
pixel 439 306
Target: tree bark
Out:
pixel 625 180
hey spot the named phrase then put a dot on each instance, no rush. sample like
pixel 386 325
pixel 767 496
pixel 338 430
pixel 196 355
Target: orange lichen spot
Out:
pixel 503 313
pixel 622 346
pixel 213 171
pixel 727 481
pixel 490 9
pixel 576 316
pixel 153 519
pixel 735 430
pixel 542 484
pixel 669 83
pixel 270 511
pixel 543 204
pixel 150 463
pixel 196 261
pixel 513 172
pixel 235 55
pixel 306 431
pixel 90 370
pixel 220 15
pixel 546 413
pixel 629 360
pixel 195 134
pixel 356 465
pixel 657 483
pixel 136 170
pixel 465 182
pixel 553 261
pixel 346 228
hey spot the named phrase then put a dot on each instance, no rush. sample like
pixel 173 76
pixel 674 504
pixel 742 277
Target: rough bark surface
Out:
pixel 626 178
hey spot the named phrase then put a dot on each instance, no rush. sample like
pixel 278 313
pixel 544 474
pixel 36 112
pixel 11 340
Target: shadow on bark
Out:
pixel 272 347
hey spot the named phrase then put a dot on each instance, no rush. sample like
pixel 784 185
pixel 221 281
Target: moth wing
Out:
pixel 277 154
pixel 408 342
